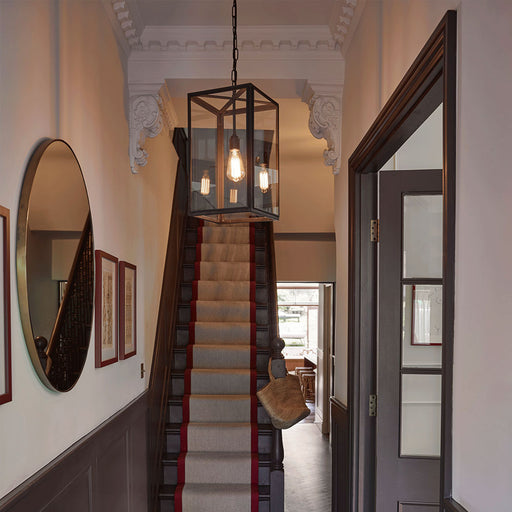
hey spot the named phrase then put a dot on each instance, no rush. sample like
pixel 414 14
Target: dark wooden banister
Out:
pixel 84 244
pixel 278 370
pixel 158 392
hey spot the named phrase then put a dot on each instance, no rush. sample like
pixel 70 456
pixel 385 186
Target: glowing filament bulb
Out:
pixel 235 170
pixel 264 178
pixel 205 184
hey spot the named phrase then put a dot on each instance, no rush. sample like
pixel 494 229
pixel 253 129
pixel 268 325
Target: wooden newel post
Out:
pixel 277 467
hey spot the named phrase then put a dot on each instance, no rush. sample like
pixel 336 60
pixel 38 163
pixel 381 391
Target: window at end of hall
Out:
pixel 298 318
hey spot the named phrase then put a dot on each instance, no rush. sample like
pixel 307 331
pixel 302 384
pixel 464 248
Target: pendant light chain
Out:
pixel 234 20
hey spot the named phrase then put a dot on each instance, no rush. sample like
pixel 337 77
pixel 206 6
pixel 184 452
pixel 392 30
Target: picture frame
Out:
pixel 427 312
pixel 106 309
pixel 5 308
pixel 127 310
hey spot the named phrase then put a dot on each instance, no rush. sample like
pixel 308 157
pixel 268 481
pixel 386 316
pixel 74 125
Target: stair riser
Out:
pixel 189 274
pixel 182 337
pixel 186 293
pixel 175 414
pixel 184 315
pixel 178 385
pixel 173 440
pixel 180 361
pixel 259 237
pixel 190 255
pixel 170 474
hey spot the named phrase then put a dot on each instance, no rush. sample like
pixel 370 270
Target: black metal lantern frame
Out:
pixel 221 121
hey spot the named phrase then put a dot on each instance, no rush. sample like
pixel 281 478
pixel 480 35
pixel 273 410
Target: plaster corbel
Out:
pixel 324 101
pixel 148 115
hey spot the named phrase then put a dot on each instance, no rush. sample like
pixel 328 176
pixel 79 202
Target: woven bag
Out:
pixel 283 400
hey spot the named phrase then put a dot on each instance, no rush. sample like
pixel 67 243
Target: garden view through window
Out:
pixel 298 318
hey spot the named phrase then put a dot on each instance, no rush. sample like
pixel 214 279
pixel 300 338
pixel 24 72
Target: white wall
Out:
pixel 61 76
pixel 389 37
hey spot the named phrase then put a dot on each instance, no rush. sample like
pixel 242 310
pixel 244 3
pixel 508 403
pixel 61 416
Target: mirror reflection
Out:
pixel 55 264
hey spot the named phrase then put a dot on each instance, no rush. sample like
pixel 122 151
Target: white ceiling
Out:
pixel 218 12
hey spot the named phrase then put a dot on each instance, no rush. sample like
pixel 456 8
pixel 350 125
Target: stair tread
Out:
pixel 178 399
pixel 167 490
pixel 172 458
pixel 265 428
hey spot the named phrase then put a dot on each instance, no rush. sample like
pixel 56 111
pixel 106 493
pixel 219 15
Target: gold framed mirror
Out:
pixel 55 264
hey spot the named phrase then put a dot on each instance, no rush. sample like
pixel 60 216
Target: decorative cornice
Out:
pixel 324 101
pixel 122 17
pixel 344 11
pixel 218 39
pixel 148 114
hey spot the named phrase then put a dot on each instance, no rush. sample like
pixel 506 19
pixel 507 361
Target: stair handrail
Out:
pixel 278 370
pixel 80 278
pixel 158 391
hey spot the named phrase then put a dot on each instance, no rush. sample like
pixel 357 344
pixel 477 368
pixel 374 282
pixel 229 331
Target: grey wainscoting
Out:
pixel 106 471
pixel 340 456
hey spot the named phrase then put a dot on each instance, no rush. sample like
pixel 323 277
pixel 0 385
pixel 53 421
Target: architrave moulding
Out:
pixel 324 101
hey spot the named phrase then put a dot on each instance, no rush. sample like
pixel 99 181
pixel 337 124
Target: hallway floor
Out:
pixel 307 463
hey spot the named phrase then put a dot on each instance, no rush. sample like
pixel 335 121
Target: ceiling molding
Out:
pixel 250 38
pixel 126 23
pixel 345 20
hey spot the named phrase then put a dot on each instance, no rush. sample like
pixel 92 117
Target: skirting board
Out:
pixel 450 505
pixel 105 470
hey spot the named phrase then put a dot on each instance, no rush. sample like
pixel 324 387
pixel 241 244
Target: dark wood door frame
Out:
pixel 430 81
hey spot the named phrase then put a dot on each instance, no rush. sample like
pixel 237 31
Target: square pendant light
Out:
pixel 233 137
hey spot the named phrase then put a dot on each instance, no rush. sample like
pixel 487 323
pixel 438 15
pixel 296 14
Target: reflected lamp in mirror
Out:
pixel 55 264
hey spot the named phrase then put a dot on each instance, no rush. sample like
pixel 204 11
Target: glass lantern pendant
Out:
pixel 233 151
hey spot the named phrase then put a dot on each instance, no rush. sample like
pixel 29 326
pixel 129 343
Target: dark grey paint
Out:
pixel 399 479
pixel 106 471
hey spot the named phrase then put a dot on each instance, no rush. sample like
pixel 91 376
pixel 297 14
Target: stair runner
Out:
pixel 218 461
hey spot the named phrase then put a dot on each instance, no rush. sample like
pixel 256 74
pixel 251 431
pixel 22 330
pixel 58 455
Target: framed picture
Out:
pixel 427 314
pixel 106 309
pixel 127 310
pixel 5 309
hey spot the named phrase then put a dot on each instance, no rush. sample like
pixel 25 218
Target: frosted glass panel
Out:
pixel 422 325
pixel 423 236
pixel 421 415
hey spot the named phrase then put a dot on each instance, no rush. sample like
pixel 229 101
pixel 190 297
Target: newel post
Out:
pixel 276 465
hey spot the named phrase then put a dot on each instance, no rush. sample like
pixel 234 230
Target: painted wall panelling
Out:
pixel 103 472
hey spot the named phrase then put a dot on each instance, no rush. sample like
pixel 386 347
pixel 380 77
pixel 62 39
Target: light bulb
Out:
pixel 235 170
pixel 264 178
pixel 205 183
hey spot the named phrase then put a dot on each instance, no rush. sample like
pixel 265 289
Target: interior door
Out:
pixel 323 391
pixel 409 360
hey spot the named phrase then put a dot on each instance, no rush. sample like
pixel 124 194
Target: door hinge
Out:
pixel 372 405
pixel 374 230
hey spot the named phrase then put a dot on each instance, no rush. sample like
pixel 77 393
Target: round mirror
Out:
pixel 55 264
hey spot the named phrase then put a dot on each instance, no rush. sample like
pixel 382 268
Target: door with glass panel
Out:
pixel 409 361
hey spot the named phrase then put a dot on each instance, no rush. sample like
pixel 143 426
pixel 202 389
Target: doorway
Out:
pixel 382 387
pixel 306 313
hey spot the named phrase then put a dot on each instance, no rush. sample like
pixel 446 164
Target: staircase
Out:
pixel 218 439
